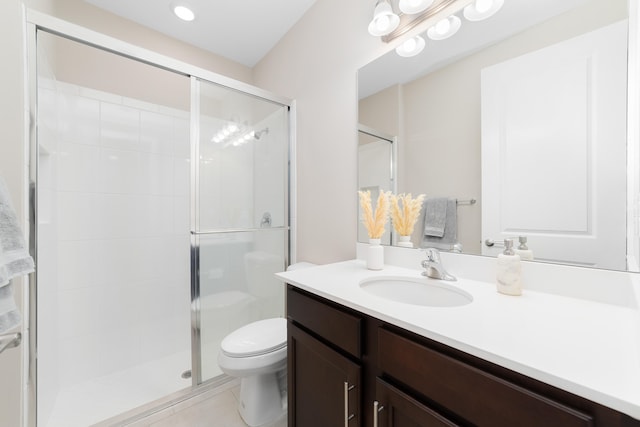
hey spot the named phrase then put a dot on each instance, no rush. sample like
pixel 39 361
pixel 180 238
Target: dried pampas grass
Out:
pixel 374 221
pixel 404 218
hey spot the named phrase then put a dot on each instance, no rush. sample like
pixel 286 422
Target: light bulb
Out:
pixel 412 7
pixel 443 26
pixel 482 6
pixel 482 9
pixel 382 23
pixel 384 20
pixel 409 45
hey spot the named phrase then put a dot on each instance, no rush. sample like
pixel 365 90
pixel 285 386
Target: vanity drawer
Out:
pixel 400 409
pixel 478 397
pixel 326 320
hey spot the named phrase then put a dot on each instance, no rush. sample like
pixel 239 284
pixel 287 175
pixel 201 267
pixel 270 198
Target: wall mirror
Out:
pixel 525 113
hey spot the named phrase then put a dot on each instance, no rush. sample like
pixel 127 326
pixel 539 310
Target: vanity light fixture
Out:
pixel 183 12
pixel 444 28
pixel 414 6
pixel 411 47
pixel 384 20
pixel 482 9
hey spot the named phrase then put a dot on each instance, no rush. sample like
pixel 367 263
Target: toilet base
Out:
pixel 260 399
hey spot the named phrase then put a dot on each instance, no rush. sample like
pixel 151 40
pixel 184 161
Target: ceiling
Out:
pixel 241 30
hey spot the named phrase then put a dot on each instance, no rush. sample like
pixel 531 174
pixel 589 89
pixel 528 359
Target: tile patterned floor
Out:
pixel 214 408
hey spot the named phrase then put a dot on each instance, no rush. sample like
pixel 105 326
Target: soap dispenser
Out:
pixel 523 250
pixel 509 271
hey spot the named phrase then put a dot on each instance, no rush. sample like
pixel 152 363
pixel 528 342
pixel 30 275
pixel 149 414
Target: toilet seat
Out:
pixel 255 339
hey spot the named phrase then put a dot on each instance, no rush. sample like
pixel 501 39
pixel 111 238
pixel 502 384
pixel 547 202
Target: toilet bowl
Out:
pixel 257 354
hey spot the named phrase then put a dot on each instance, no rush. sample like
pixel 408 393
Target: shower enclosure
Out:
pixel 160 215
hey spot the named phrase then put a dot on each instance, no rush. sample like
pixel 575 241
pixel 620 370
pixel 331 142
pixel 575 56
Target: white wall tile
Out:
pixel 78 167
pixel 79 264
pixel 181 177
pixel 181 138
pixel 181 215
pixel 120 126
pixel 122 260
pixel 158 215
pixel 159 178
pixel 78 216
pixel 124 172
pixel 156 258
pixel 75 312
pixel 79 119
pixel 156 133
pixel 80 358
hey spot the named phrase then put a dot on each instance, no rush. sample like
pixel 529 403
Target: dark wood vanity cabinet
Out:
pixel 324 370
pixel 327 384
pixel 345 365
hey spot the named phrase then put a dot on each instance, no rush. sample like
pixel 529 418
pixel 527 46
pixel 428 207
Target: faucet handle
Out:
pixel 433 254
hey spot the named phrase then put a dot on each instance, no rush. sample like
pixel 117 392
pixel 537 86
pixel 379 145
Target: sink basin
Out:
pixel 416 291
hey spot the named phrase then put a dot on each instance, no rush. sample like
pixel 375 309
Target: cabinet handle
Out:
pixel 347 416
pixel 376 408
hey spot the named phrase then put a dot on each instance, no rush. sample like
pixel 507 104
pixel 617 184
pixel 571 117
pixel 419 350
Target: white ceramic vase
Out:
pixel 375 255
pixel 405 242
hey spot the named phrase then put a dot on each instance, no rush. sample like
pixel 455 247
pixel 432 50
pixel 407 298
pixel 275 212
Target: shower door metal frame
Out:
pixel 196 232
pixel 36 21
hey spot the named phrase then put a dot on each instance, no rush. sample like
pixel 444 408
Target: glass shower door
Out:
pixel 239 215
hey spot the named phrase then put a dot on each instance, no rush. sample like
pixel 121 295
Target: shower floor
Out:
pixel 87 403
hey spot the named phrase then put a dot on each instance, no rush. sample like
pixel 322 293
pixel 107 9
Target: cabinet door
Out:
pixel 397 409
pixel 324 386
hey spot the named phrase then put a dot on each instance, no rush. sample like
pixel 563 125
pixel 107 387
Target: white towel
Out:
pixel 14 260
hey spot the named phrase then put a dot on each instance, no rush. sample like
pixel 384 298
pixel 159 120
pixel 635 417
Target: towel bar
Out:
pixel 466 202
pixel 10 341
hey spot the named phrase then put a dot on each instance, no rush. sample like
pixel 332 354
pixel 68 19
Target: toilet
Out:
pixel 257 354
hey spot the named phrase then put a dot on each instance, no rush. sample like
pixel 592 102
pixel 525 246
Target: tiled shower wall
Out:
pixel 117 195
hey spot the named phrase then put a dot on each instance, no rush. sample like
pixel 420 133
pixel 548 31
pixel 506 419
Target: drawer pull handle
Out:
pixel 376 408
pixel 347 416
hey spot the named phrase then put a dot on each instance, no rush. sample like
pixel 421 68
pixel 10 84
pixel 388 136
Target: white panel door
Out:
pixel 554 150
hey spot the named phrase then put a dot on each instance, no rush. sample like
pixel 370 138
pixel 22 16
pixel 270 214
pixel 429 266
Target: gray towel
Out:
pixel 435 216
pixel 9 315
pixel 450 236
pixel 14 260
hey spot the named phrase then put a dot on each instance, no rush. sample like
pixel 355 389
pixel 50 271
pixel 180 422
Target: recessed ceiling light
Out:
pixel 184 13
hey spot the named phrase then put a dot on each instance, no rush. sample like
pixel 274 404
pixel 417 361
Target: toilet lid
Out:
pixel 263 336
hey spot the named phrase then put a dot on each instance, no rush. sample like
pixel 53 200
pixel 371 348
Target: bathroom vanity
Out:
pixel 357 359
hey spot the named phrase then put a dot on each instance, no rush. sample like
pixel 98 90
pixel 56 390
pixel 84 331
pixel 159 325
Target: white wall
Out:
pixel 316 64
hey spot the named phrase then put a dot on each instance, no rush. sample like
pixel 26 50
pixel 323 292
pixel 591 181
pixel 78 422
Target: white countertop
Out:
pixel 588 348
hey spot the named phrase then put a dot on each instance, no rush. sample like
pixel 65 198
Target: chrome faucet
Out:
pixel 433 266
